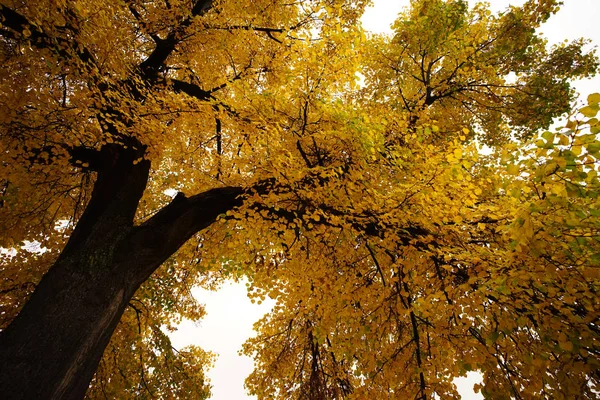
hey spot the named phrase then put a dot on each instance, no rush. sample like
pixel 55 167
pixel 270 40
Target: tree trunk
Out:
pixel 52 348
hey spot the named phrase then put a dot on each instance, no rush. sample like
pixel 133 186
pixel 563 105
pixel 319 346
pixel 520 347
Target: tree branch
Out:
pixel 164 47
pixel 151 243
pixel 66 49
pixel 268 31
pixel 192 90
pixel 142 23
pixel 119 185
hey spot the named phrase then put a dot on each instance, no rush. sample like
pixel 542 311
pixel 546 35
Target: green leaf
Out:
pixel 549 136
pixel 593 147
pixel 493 337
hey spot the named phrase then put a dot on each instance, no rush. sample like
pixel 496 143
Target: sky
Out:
pixel 230 315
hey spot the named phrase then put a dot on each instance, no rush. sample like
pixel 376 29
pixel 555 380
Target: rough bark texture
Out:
pixel 53 347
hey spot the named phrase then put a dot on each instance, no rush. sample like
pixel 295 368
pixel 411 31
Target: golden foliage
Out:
pixel 400 257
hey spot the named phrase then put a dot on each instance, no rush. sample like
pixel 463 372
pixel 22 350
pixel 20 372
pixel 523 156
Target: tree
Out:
pixel 473 69
pixel 399 257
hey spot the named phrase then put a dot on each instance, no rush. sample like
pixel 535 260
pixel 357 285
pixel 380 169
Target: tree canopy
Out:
pixel 148 147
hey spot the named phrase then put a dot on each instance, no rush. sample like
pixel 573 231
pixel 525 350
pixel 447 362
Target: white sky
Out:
pixel 230 314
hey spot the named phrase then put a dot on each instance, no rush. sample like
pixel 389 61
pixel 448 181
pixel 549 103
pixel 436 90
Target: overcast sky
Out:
pixel 230 314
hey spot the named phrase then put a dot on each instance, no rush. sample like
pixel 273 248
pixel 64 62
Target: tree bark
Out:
pixel 52 348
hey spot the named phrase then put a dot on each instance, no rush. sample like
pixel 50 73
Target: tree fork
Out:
pixel 52 348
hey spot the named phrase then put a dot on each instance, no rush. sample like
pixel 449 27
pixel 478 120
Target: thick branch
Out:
pixel 192 90
pixel 196 91
pixel 159 237
pixel 246 28
pixel 142 23
pixel 165 47
pixel 118 188
pixel 269 31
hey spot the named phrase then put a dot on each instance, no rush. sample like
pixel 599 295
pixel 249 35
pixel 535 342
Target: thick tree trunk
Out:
pixel 53 347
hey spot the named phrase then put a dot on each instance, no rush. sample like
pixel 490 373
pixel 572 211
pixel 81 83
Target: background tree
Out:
pixel 398 256
pixel 469 68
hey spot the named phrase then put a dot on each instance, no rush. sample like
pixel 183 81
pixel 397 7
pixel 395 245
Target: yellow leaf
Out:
pixel 594 98
pixel 513 169
pixel 563 140
pixel 589 111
